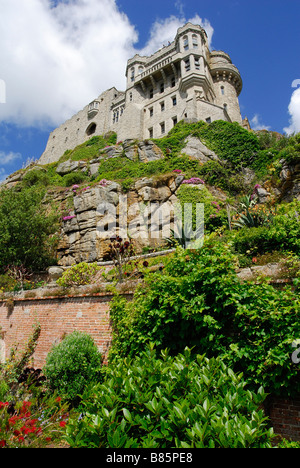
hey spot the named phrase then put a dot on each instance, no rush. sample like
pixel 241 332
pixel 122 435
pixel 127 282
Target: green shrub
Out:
pixel 78 275
pixel 200 302
pixel 72 364
pixel 36 177
pixel 27 229
pixel 74 178
pixel 283 234
pixel 163 402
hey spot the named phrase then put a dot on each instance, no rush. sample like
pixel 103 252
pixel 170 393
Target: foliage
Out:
pixel 73 178
pixel 78 275
pixel 283 234
pixel 36 177
pixel 26 229
pixel 214 215
pixel 72 364
pixel 229 140
pixel 90 149
pixel 252 214
pixel 12 369
pixel 200 302
pixel 170 402
pixel 120 252
pixel 32 424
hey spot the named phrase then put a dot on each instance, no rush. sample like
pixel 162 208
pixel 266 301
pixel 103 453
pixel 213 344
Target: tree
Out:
pixel 26 229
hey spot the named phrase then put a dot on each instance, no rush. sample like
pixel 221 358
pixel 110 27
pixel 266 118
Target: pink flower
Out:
pixel 193 180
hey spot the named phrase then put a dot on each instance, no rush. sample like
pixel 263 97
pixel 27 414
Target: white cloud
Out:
pixel 256 123
pixel 8 158
pixel 294 111
pixel 55 59
pixel 164 31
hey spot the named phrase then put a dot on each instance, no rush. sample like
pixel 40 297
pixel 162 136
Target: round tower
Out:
pixel 227 84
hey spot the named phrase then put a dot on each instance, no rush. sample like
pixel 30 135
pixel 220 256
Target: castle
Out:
pixel 182 81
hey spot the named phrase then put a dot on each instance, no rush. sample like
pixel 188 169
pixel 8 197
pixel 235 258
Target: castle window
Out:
pixel 130 97
pixel 151 111
pixel 222 90
pixel 91 129
pixel 162 106
pixel 162 128
pixel 186 43
pixel 195 41
pixel 132 74
pixel 173 82
pixel 208 120
pixel 174 121
pixel 141 69
pixel 151 93
pixel 187 65
pixel 197 63
pixel 150 132
pixel 162 87
pixel 174 101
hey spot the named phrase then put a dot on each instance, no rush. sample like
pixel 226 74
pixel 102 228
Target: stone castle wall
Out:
pixel 183 80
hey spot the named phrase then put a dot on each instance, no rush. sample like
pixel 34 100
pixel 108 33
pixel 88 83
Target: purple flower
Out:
pixel 194 181
pixel 75 186
pixel 67 218
pixel 177 170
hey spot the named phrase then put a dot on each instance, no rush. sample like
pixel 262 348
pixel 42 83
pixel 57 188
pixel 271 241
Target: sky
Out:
pixel 58 55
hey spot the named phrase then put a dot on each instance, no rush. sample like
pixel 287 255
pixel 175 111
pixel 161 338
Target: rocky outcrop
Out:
pixel 290 181
pixel 196 149
pixel 101 211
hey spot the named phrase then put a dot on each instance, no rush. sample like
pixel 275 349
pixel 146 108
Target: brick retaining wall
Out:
pixel 57 316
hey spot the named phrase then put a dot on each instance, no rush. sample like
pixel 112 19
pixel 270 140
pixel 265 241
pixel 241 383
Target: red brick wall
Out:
pixel 285 417
pixel 57 316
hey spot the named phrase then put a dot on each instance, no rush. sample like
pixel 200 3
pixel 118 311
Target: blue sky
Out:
pixel 67 52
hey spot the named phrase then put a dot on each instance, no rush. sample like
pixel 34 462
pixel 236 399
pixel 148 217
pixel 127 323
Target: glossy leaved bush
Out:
pixel 159 401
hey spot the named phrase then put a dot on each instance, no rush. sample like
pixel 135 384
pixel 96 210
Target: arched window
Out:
pixel 186 43
pixel 222 90
pixel 195 41
pixel 141 69
pixel 91 129
pixel 132 74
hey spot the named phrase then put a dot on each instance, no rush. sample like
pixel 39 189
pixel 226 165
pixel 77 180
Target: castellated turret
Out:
pixel 182 81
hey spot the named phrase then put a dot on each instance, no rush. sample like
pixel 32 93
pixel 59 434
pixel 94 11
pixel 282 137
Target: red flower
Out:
pixel 58 399
pixel 2 443
pixel 13 420
pixel 62 423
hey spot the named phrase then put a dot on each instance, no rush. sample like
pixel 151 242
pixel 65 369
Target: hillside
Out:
pixel 248 182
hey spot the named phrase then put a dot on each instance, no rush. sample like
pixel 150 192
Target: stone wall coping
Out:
pixel 66 296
